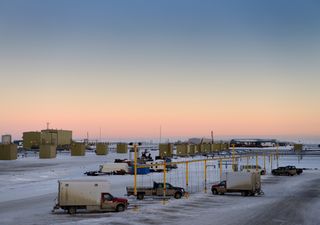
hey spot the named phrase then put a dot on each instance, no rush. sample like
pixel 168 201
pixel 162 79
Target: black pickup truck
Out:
pixel 157 190
pixel 287 171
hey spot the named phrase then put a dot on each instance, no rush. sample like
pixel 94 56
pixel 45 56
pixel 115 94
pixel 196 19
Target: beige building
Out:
pixel 31 139
pixel 8 152
pixel 183 149
pixel 122 148
pixel 61 138
pixel 78 149
pixel 165 150
pixel 101 149
pixel 47 151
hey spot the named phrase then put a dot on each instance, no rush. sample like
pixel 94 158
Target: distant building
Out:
pixel 60 138
pixel 253 143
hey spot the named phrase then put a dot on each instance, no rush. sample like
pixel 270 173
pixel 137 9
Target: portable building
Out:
pixel 216 147
pixel 183 149
pixel 31 139
pixel 63 137
pixel 297 147
pixel 122 148
pixel 166 150
pixel 192 149
pixel 8 152
pixel 6 139
pixel 78 149
pixel 47 151
pixel 207 148
pixel 49 138
pixel 101 149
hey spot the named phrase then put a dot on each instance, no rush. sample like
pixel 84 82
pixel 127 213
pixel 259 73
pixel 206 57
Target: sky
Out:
pixel 237 68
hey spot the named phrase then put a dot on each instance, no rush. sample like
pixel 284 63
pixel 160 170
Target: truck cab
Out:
pixel 219 188
pixel 110 203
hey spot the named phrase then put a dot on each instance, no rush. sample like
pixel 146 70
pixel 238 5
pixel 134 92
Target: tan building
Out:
pixel 31 139
pixel 61 138
pixel 165 150
pixel 122 148
pixel 183 149
pixel 6 139
pixel 78 149
pixel 8 152
pixel 47 151
pixel 102 149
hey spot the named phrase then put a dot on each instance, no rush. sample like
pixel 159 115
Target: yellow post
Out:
pixel 205 176
pixel 257 163
pixel 271 161
pixel 264 161
pixel 135 170
pixel 277 155
pixel 164 178
pixel 220 168
pixel 187 174
pixel 233 158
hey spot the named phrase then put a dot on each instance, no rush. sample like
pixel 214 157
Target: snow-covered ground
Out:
pixel 28 187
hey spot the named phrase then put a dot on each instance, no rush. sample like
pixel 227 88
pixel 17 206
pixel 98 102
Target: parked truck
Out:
pixel 91 195
pixel 246 183
pixel 157 190
pixel 285 171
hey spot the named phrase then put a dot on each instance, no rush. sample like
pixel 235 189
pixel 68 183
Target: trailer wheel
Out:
pixel 120 208
pixel 140 196
pixel 214 191
pixel 72 210
pixel 177 195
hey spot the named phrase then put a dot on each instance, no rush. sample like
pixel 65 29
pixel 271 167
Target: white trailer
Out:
pixel 114 167
pixel 92 195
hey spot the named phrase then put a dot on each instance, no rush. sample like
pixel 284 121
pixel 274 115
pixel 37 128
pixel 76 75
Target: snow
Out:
pixel 29 186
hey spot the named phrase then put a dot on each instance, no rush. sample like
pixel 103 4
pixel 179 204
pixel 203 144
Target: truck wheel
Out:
pixel 72 210
pixel 120 208
pixel 140 196
pixel 177 195
pixel 214 191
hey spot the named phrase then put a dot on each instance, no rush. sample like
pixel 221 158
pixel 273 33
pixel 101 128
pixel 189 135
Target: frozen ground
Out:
pixel 28 188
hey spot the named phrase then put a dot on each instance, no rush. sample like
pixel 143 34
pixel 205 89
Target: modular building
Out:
pixel 101 149
pixel 207 148
pixel 193 149
pixel 31 139
pixel 8 152
pixel 183 149
pixel 78 149
pixel 297 147
pixel 165 150
pixel 6 139
pixel 63 137
pixel 47 151
pixel 122 148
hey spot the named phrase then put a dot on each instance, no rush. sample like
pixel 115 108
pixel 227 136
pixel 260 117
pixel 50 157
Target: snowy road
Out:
pixel 28 199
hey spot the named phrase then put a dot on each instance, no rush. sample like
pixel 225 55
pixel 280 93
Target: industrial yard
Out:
pixel 29 188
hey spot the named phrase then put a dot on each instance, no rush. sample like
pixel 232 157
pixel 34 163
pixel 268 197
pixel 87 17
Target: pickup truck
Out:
pixel 157 190
pixel 286 171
